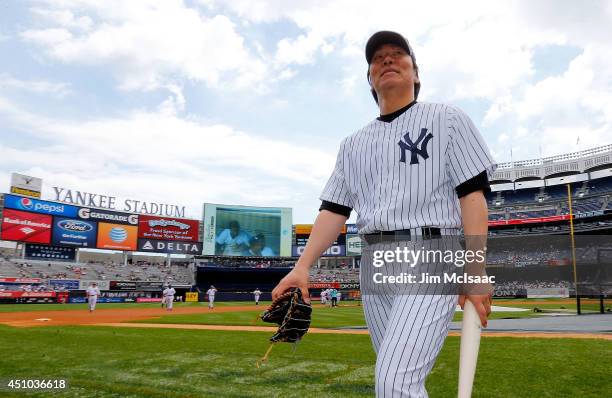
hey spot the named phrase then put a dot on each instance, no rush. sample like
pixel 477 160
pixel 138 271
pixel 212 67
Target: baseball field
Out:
pixel 140 350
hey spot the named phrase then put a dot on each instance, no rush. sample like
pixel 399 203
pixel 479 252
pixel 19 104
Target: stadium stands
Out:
pixel 95 271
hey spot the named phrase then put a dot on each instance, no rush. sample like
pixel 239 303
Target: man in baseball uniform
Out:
pixel 323 297
pixel 211 297
pixel 418 170
pixel 92 296
pixel 169 293
pixel 257 294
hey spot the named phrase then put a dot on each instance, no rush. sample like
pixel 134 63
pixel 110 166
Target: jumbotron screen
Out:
pixel 247 231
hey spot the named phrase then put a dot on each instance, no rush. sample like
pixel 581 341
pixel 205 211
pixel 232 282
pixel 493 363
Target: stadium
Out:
pixel 550 222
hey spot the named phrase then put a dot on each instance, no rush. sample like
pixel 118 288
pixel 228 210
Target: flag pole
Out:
pixel 571 217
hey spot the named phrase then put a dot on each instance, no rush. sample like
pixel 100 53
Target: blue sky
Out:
pixel 245 102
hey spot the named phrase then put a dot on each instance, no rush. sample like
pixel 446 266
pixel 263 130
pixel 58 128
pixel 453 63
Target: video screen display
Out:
pixel 247 231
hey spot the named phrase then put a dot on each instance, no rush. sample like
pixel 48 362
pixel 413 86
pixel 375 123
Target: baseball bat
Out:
pixel 470 343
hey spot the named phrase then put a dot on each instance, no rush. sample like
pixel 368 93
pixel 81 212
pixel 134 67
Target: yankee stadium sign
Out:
pixel 87 199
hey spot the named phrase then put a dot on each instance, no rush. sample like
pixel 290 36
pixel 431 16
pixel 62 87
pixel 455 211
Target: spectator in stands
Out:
pixel 232 241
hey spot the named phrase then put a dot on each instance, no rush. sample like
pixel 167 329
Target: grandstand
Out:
pixel 535 192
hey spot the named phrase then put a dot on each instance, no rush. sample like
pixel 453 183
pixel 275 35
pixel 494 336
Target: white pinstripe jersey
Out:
pixel 402 174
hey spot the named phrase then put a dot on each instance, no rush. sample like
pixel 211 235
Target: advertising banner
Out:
pixel 27 294
pixel 509 292
pixel 25 227
pixel 20 280
pixel 39 206
pixel 352 229
pixel 548 292
pixel 25 185
pixel 117 237
pixel 533 220
pixel 122 285
pixel 344 285
pixel 82 300
pixel 102 285
pixel 162 228
pixel 337 249
pixel 64 284
pixel 86 213
pixel 148 300
pixel 71 232
pixel 324 285
pixel 171 247
pixel 191 296
pixel 353 245
pixel 247 231
pixel 54 253
pixel 150 286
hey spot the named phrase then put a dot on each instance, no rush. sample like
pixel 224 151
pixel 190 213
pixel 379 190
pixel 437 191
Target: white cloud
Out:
pixel 35 86
pixel 63 18
pixel 146 43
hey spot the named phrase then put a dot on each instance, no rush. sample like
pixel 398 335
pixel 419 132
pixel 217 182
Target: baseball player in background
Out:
pixel 169 293
pixel 257 294
pixel 211 297
pixel 92 293
pixel 419 169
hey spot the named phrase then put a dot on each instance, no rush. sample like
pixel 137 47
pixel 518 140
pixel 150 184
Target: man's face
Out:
pixel 392 67
pixel 234 230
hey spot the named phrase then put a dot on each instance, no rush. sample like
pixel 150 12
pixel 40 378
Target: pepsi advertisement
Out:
pixel 39 206
pixel 70 232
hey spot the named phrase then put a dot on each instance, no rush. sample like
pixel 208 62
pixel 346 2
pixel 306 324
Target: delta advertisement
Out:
pixel 170 247
pixel 25 227
pixel 168 229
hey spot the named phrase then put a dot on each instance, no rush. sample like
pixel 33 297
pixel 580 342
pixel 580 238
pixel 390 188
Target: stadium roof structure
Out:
pixel 577 166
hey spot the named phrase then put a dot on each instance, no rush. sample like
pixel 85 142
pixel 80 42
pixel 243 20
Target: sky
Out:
pixel 246 101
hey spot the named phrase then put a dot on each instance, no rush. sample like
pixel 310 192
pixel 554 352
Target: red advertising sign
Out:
pixel 20 280
pixel 148 300
pixel 27 294
pixel 26 227
pixel 163 228
pixel 324 285
pixel 518 221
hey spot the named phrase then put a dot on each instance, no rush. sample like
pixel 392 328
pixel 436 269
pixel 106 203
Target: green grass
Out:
pixel 114 362
pixel 72 307
pixel 323 317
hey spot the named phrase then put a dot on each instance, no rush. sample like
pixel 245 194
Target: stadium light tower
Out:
pixel 571 217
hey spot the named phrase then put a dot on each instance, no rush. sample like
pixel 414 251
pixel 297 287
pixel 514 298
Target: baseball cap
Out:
pixel 388 37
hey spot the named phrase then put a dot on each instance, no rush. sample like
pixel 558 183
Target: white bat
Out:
pixel 470 343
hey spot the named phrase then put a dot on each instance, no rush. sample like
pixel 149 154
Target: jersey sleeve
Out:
pixel 337 190
pixel 467 153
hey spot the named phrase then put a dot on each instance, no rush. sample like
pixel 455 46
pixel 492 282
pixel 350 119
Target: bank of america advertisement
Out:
pixel 247 231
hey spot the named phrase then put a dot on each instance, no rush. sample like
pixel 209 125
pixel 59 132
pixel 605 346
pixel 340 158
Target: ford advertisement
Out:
pixel 70 232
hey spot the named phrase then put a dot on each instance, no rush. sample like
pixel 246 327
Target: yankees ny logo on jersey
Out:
pixel 413 147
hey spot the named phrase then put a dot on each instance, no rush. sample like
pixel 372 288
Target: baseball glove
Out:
pixel 292 314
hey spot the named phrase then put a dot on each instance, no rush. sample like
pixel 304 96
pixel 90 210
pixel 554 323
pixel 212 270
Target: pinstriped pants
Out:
pixel 407 332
